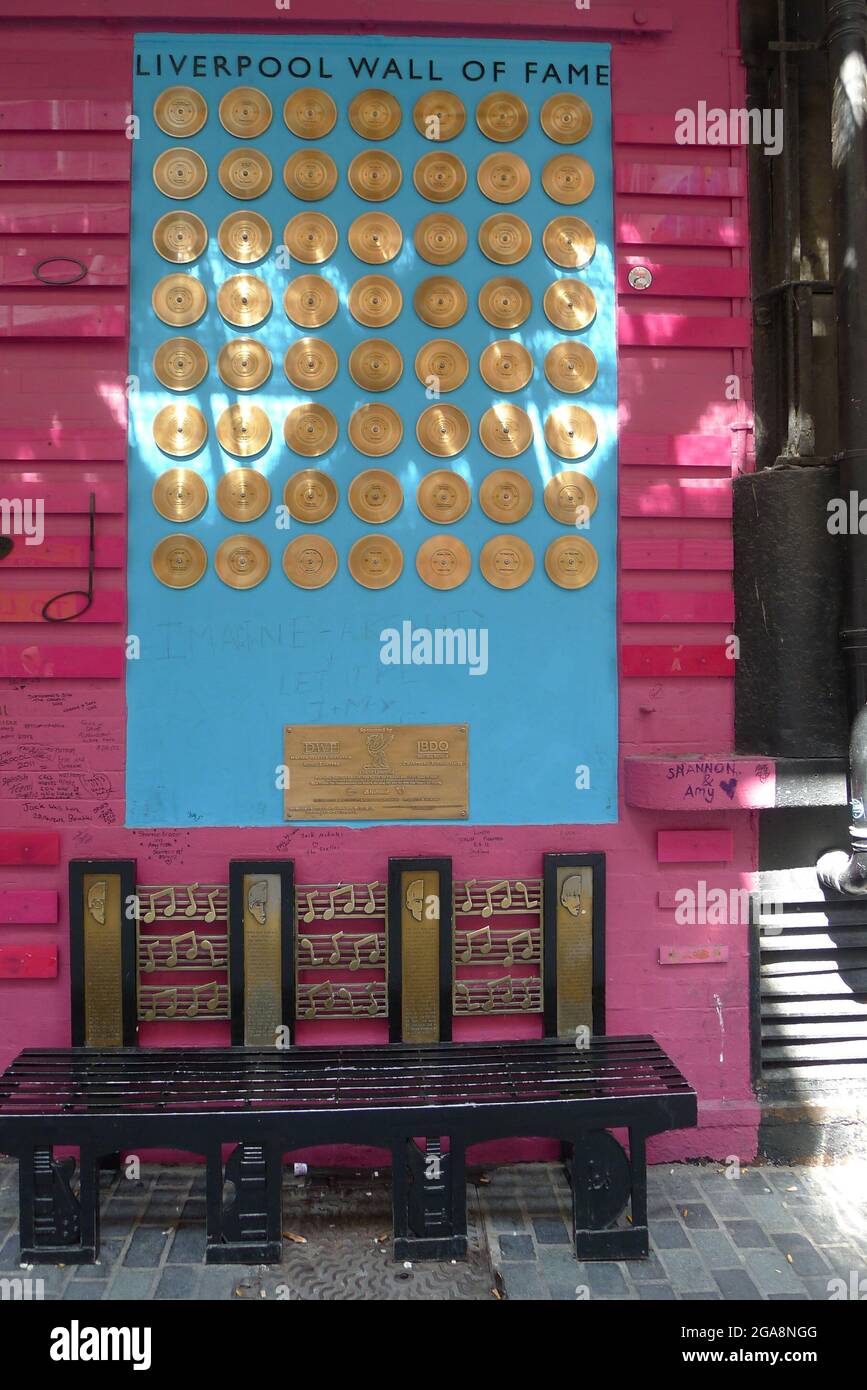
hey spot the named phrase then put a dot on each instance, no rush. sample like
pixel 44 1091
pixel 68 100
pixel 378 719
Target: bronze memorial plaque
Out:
pixel 350 772
pixel 103 981
pixel 263 1002
pixel 574 918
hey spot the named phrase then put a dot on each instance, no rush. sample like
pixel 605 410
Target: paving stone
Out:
pixel 187 1246
pixel 178 1282
pixel 522 1281
pixel 728 1202
pixel 606 1278
pixel 715 1248
pixel 517 1248
pixel 505 1216
pixel 9 1254
pixel 216 1282
pixel 770 1272
pixel 669 1235
pixel 844 1260
pixel 805 1259
pixel 551 1232
pixel 87 1289
pixel 646 1270
pixel 658 1291
pixel 109 1251
pixel 736 1284
pixel 146 1248
pixel 747 1235
pixel 131 1285
pixel 792 1297
pixel 702 1296
pixel 686 1270
pixel 698 1217
pixel 659 1209
pixel 562 1290
pixel 818 1290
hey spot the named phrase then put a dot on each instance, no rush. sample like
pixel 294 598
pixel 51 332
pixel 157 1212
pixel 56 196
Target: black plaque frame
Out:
pixel 396 867
pixel 285 869
pixel 126 869
pixel 550 864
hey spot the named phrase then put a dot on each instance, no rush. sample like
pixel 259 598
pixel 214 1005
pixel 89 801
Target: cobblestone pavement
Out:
pixel 774 1233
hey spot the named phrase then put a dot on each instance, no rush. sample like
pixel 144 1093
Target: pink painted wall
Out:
pixel 62 426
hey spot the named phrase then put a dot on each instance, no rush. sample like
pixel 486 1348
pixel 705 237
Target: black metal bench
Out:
pixel 268 1102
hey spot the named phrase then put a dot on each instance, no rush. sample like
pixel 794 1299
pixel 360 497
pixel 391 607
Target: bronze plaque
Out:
pixel 574 918
pixel 263 974
pixel 103 979
pixel 420 955
pixel 349 772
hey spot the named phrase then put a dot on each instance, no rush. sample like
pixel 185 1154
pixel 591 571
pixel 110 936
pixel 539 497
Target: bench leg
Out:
pixel 429 1199
pixel 604 1181
pixel 247 1230
pixel 58 1226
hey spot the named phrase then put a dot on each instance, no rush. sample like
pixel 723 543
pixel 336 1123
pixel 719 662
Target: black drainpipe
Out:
pixel 847 56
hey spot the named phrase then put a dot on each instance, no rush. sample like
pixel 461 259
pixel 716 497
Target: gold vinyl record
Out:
pixel 569 242
pixel 243 494
pixel 439 115
pixel 310 429
pixel 244 237
pixel 242 562
pixel 375 561
pixel 570 304
pixel 375 496
pixel 310 175
pixel 505 495
pixel 567 178
pixel 180 237
pixel 443 430
pixel 180 430
pixel 443 562
pixel 505 302
pixel 445 362
pixel 439 176
pixel 506 430
pixel 310 237
pixel 506 365
pixel 505 238
pixel 244 364
pixel 310 495
pixel 570 367
pixel 375 429
pixel 244 300
pixel 309 113
pixel 180 111
pixel 180 364
pixel 245 173
pixel 179 300
pixel 375 301
pixel 310 301
pixel 375 175
pixel 375 365
pixel 506 562
pixel 502 116
pixel 310 364
pixel 443 496
pixel 375 237
pixel 503 177
pixel 180 173
pixel 310 561
pixel 245 112
pixel 440 301
pixel 374 115
pixel 570 431
pixel 566 118
pixel 571 562
pixel 180 494
pixel 570 497
pixel 244 429
pixel 179 561
pixel 440 238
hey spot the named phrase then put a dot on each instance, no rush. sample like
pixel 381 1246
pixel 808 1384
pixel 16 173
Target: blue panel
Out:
pixel 221 671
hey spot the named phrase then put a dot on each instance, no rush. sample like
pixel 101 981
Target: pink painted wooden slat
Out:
pixel 63 321
pixel 25 606
pixel 105 267
pixel 678 497
pixel 675 450
pixel 65 166
pixel 679 229
pixel 68 663
pixel 63 498
pixel 681 331
pixel 725 782
pixel 45 217
pixel 28 847
pixel 66 552
pixel 28 962
pixel 681 180
pixel 26 907
pixel 638 128
pixel 651 553
pixel 693 846
pixel 711 954
pixel 675 281
pixel 74 441
pixel 675 660
pixel 667 898
pixel 677 606
pixel 70 113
